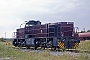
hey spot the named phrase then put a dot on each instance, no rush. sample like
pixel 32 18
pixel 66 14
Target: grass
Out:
pixel 16 54
pixel 84 45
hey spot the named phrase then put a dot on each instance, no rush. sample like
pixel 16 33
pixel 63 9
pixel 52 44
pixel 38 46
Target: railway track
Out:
pixel 57 50
pixel 71 52
pixel 79 51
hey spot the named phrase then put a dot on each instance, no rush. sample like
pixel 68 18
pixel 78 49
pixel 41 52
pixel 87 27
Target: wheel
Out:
pixel 35 48
pixel 15 43
pixel 53 48
pixel 42 48
pixel 28 47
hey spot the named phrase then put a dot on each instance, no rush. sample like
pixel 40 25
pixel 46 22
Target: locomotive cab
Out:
pixel 32 22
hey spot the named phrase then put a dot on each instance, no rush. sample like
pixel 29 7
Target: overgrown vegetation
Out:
pixel 88 30
pixel 84 45
pixel 2 39
pixel 16 54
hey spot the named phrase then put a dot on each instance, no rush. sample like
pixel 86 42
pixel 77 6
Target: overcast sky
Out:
pixel 15 12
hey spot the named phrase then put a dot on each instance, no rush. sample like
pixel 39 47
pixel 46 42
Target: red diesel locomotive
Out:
pixel 49 35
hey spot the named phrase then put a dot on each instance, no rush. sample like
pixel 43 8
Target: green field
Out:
pixel 16 54
pixel 84 45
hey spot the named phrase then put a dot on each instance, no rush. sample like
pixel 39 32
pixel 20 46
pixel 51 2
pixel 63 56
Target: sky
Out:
pixel 15 12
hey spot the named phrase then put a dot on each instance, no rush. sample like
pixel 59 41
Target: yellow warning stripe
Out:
pixel 76 45
pixel 61 44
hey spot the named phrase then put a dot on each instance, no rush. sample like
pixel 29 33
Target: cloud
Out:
pixel 15 12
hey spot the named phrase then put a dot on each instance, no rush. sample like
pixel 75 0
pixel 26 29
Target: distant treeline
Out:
pixel 5 39
pixel 84 31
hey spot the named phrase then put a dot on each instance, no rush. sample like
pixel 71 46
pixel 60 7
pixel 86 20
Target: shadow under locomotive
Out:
pixel 51 35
